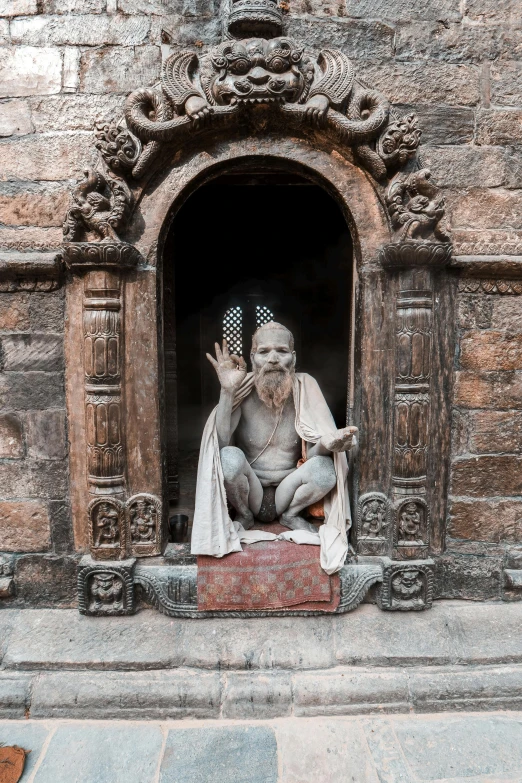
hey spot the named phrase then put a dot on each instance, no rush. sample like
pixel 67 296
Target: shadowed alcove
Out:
pixel 242 250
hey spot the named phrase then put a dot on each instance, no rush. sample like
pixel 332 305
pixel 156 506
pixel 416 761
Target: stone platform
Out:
pixel 459 656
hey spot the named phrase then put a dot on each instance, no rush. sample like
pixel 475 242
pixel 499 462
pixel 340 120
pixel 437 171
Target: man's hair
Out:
pixel 273 325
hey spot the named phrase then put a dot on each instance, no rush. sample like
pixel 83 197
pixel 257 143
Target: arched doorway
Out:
pixel 241 251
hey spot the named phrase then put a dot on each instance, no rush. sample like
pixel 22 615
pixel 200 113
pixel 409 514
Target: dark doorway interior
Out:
pixel 242 250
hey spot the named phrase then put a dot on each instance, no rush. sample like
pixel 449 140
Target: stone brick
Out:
pixel 15 118
pixel 47 311
pixel 119 70
pixel 489 350
pixel 14 700
pixel 182 31
pixel 61 527
pixel 33 479
pixel 71 66
pixel 257 696
pixel 473 577
pixel 482 208
pixel 72 30
pixel 514 167
pixel 188 750
pixel 405 9
pixel 30 238
pixel 442 124
pixel 162 695
pixel 28 70
pixel 30 352
pixel 318 750
pixel 424 82
pixel 33 204
pixel 506 313
pixel 468 688
pixel 102 753
pixel 503 11
pixel 74 6
pixel 317 8
pixel 494 521
pixel 459 432
pixel 18 7
pixel 76 112
pixel 148 7
pixel 475 311
pixel 356 38
pixel 344 692
pixel 45 581
pixel 487 476
pixel 45 434
pixel 496 126
pixel 47 157
pixel 14 312
pixel 495 432
pixel 31 391
pixel 11 442
pixel 466 166
pixel 506 83
pixel 488 390
pixel 456 43
pixel 24 526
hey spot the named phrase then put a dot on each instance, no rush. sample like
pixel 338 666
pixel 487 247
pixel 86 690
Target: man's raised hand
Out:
pixel 231 369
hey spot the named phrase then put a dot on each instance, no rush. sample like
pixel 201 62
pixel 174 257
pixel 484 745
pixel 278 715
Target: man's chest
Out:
pixel 258 424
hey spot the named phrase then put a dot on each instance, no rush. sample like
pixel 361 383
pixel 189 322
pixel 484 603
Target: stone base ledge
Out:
pixel 189 693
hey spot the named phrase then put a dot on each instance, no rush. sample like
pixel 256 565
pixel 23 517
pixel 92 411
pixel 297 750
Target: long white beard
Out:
pixel 274 386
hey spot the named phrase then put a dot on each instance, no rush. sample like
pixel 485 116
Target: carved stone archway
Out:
pixel 316 118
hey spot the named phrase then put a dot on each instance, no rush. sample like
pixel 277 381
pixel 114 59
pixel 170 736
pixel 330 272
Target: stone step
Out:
pixel 188 693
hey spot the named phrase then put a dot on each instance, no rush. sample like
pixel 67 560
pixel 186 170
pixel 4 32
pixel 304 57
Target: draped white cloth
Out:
pixel 214 533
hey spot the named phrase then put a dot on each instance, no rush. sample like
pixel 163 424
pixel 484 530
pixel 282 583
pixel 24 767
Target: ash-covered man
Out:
pixel 265 422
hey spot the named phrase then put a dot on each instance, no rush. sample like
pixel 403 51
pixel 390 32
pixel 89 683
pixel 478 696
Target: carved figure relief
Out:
pixel 106 525
pixel 143 514
pixel 407 587
pixel 100 208
pixel 417 207
pixel 411 528
pixel 106 589
pixel 372 523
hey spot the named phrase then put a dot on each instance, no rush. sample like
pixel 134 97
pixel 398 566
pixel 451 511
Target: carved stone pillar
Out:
pixel 414 406
pixel 103 266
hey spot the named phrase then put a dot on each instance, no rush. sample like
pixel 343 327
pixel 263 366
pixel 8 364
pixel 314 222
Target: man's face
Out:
pixel 273 352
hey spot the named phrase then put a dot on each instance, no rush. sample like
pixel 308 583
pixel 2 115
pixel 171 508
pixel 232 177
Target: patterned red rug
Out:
pixel 267 575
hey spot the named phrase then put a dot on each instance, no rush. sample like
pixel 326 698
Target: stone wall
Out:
pixel 456 63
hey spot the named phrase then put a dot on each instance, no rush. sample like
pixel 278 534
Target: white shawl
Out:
pixel 214 533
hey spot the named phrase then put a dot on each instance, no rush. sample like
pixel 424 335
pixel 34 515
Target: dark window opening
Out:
pixel 242 251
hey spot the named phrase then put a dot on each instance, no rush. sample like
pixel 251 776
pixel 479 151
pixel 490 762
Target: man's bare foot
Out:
pixel 298 523
pixel 246 520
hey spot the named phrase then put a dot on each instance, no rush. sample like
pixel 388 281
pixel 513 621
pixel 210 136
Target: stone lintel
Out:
pixel 488 266
pixel 30 271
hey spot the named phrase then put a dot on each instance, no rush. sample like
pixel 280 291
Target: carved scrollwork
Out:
pixel 101 206
pixel 373 524
pixel 398 142
pixel 119 149
pixel 417 207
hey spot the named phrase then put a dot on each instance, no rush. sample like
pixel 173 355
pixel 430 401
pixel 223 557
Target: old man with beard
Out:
pixel 252 451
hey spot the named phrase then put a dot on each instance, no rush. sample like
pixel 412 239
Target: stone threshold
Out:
pixel 57 663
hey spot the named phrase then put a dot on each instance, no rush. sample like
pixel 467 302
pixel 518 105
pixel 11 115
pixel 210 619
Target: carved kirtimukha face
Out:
pixel 256 71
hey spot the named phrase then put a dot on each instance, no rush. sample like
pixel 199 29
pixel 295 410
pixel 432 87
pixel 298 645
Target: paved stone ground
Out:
pixel 467 748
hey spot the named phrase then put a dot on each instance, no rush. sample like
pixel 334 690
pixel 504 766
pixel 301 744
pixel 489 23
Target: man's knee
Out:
pixel 232 463
pixel 322 472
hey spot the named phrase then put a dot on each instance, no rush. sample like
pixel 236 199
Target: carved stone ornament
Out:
pixel 411 528
pixel 7 587
pixel 100 207
pixel 107 528
pixel 143 514
pixel 106 589
pixel 373 524
pixel 407 586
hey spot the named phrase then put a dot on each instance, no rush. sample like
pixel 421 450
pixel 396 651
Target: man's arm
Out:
pixel 231 371
pixel 342 440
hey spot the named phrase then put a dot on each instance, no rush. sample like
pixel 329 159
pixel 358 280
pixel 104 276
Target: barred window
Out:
pixel 232 329
pixel 263 315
